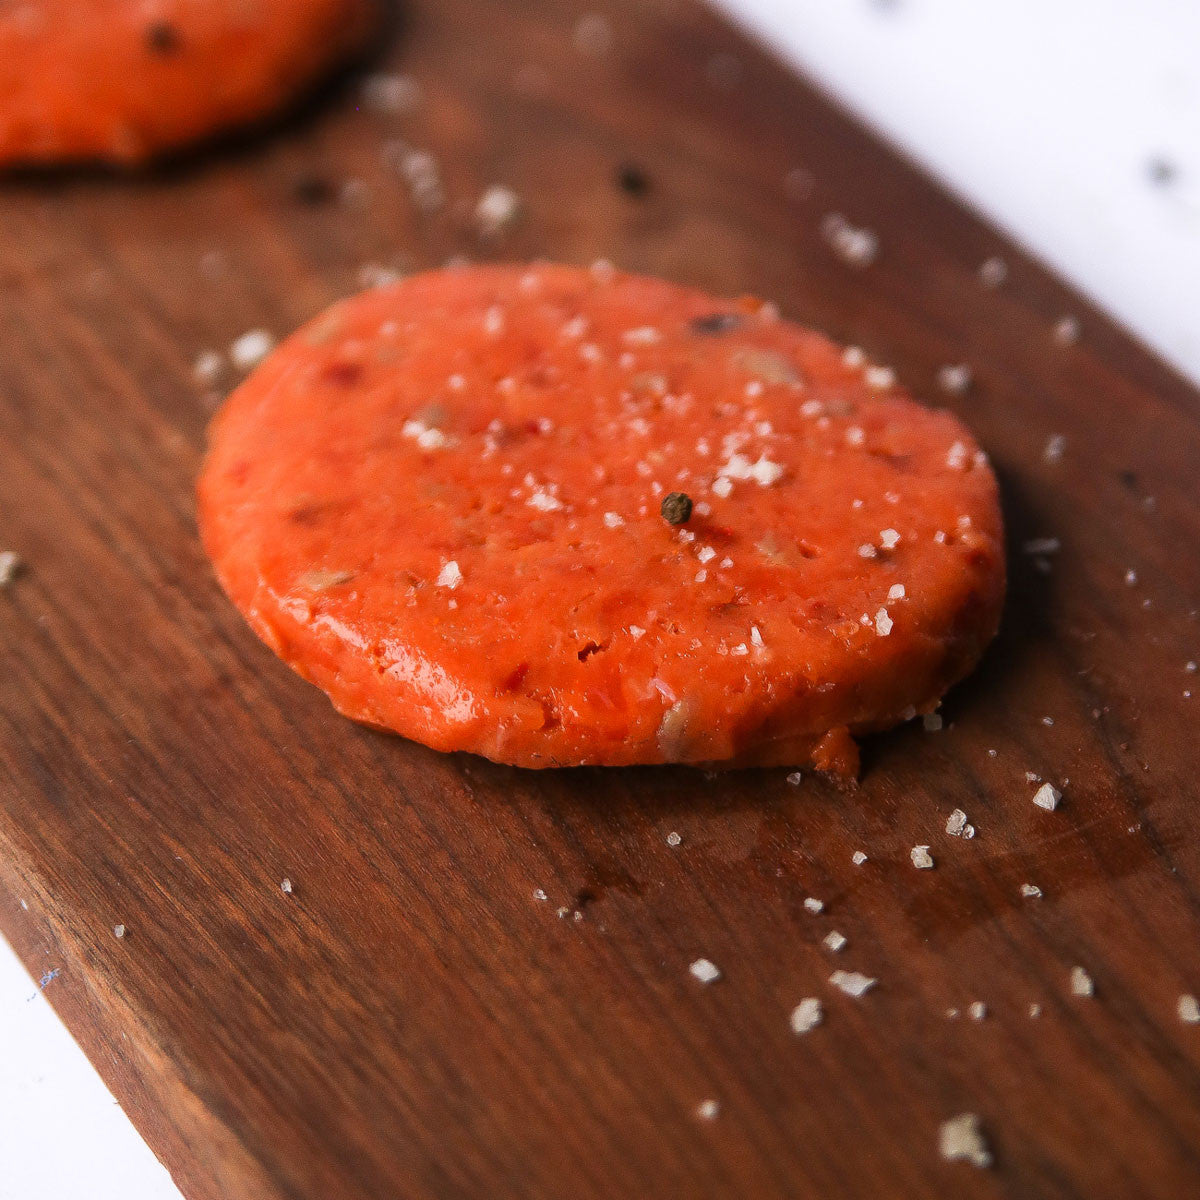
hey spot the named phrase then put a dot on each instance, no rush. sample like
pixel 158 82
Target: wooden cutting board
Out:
pixel 413 1020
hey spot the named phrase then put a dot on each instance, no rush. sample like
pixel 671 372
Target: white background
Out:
pixel 1046 115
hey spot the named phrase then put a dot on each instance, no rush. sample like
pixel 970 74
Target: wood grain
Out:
pixel 412 1020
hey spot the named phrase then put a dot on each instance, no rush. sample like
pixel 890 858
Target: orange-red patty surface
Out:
pixel 440 502
pixel 122 80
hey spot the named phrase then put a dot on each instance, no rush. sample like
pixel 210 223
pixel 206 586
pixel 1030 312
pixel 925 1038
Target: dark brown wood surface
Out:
pixel 412 1021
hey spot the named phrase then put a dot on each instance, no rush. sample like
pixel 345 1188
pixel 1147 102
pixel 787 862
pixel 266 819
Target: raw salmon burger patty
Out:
pixel 443 503
pixel 123 80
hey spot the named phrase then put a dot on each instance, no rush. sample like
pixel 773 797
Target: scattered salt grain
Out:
pixel 879 377
pixel 1189 1009
pixel 896 591
pixel 613 520
pixel 977 1010
pixel 866 550
pixel 858 858
pixel 251 348
pixel 855 436
pixel 673 839
pixel 921 858
pixel 888 539
pixel 391 93
pixel 1035 1011
pixel 957 457
pixel 285 886
pixel 853 983
pixel 644 335
pixel 834 941
pixel 807 1015
pixel 960 1139
pixel 450 575
pixel 543 501
pixel 993 272
pixel 957 825
pixel 814 906
pixel 426 436
pixel 705 971
pixel 708 1110
pixel 883 623
pixel 118 931
pixel 10 567
pixel 539 894
pixel 1082 983
pixel 1066 332
pixel 954 379
pixel 1131 578
pixel 1046 545
pixel 1055 446
pixel 856 246
pixel 722 486
pixel 1031 891
pixel 207 367
pixel 932 722
pixel 498 208
pixel 796 778
pixel 756 637
pixel 1047 797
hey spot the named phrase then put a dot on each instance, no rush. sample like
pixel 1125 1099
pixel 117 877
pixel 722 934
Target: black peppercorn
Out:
pixel 162 37
pixel 632 180
pixel 676 508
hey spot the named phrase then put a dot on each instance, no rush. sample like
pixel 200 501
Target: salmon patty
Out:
pixel 558 516
pixel 122 81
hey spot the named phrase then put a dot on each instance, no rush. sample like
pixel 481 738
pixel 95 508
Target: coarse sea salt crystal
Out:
pixel 1031 891
pixel 807 1015
pixel 497 209
pixel 853 983
pixel 1047 797
pixel 613 520
pixel 879 377
pixel 251 348
pixel 426 436
pixel 722 486
pixel 921 858
pixel 543 501
pixel 708 1110
pixel 954 379
pixel 993 272
pixel 896 592
pixel 795 779
pixel 1188 1009
pixel 858 858
pixel 888 538
pixel 961 1139
pixel 673 838
pixel 207 366
pixel 834 941
pixel 977 1010
pixel 705 971
pixel 883 623
pixel 10 566
pixel 958 826
pixel 450 576
pixel 1082 983
pixel 932 722
pixel 814 906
